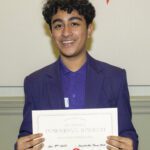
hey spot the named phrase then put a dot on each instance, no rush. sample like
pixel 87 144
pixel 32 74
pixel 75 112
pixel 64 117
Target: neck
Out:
pixel 74 63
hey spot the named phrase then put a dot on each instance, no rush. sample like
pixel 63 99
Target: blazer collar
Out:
pixel 54 69
pixel 94 82
pixel 55 86
pixel 94 64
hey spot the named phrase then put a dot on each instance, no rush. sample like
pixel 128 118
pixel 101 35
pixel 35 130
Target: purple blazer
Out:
pixel 106 86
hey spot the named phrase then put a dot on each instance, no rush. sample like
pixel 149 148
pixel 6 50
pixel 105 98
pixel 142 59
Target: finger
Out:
pixel 126 142
pixel 112 148
pixel 38 147
pixel 34 143
pixel 31 137
pixel 120 139
pixel 116 144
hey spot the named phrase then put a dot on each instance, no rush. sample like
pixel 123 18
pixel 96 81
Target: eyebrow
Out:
pixel 70 19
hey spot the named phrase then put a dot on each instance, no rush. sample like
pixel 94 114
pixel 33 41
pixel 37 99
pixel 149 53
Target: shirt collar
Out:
pixel 65 70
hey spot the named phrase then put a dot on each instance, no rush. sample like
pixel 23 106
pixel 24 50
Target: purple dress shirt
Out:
pixel 73 84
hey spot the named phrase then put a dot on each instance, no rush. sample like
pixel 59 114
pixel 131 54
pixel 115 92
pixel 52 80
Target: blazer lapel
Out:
pixel 54 85
pixel 94 82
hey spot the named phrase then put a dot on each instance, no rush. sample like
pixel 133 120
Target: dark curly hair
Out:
pixel 83 7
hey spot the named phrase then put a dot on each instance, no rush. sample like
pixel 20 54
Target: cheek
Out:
pixel 55 36
pixel 82 35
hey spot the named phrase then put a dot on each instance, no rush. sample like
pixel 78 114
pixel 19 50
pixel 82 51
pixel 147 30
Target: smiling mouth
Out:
pixel 67 43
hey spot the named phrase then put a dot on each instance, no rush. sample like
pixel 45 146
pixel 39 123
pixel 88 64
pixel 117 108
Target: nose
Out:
pixel 67 31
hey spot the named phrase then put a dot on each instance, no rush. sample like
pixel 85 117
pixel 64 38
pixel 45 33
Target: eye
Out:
pixel 58 26
pixel 75 24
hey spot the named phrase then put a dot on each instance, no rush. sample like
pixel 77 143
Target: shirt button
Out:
pixel 74 95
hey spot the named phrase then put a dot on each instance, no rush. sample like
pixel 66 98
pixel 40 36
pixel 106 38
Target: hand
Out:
pixel 119 143
pixel 30 142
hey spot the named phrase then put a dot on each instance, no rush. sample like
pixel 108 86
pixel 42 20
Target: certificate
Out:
pixel 75 129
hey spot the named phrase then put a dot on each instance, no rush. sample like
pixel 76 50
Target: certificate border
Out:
pixel 75 113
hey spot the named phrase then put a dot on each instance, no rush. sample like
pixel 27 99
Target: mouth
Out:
pixel 68 43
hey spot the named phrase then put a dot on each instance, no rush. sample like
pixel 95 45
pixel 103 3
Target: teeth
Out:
pixel 67 42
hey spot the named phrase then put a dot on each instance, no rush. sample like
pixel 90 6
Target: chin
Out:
pixel 68 53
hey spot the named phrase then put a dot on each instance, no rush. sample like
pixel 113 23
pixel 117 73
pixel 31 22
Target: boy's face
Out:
pixel 70 33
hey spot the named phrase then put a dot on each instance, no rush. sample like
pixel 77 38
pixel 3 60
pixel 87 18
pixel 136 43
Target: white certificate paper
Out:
pixel 77 129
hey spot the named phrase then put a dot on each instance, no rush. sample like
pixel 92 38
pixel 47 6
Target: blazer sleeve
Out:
pixel 26 126
pixel 126 127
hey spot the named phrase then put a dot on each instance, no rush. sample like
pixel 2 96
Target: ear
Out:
pixel 90 29
pixel 50 30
